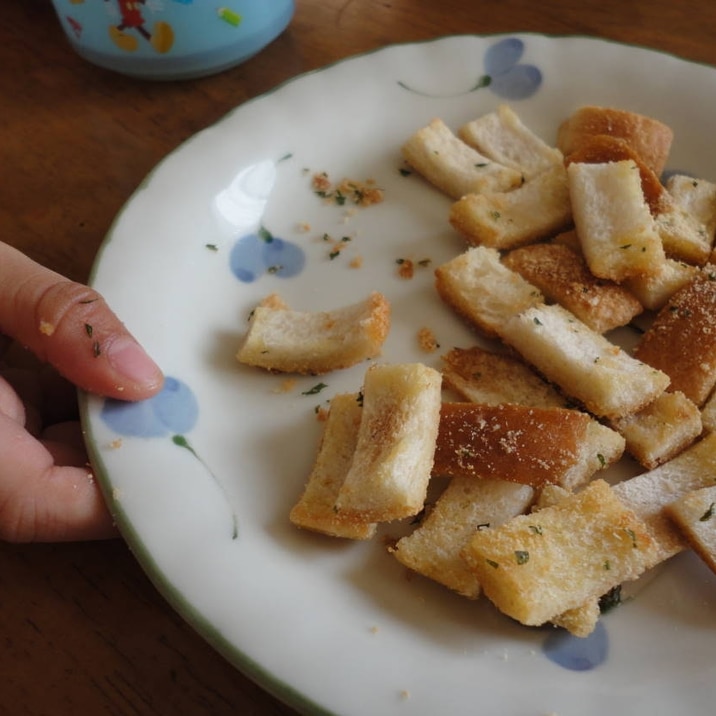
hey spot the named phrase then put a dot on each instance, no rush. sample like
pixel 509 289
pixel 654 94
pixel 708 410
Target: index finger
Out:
pixel 70 326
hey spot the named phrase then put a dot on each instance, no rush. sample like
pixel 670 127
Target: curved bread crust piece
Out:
pixel 393 459
pixel 682 340
pixel 466 505
pixel 453 166
pixel 650 138
pixel 280 339
pixel 482 290
pixel 537 209
pixel 695 516
pixel 536 567
pixel 563 276
pixel 584 364
pixel 480 376
pixel 533 446
pixel 315 510
pixel 502 136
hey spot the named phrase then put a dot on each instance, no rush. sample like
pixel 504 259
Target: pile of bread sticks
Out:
pixel 564 244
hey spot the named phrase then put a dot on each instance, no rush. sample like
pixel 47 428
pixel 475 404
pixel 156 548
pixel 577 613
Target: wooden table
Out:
pixel 82 630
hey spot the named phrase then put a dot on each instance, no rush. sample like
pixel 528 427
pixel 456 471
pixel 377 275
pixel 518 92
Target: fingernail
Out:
pixel 130 360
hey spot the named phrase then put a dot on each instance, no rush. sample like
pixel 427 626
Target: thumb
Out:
pixel 70 326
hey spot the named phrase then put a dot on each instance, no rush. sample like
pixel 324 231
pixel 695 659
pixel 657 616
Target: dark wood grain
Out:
pixel 82 630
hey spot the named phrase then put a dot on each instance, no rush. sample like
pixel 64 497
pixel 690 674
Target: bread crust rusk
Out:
pixel 454 167
pixel 434 548
pixel 481 376
pixel 654 290
pixel 533 446
pixel 502 136
pixel 504 220
pixel 695 516
pixel 650 138
pixel 682 340
pixel 648 494
pixel 284 340
pixel 315 509
pixel 687 227
pixel 616 229
pixel 482 290
pixel 601 149
pixel 538 566
pixel 393 459
pixel 589 368
pixel 564 277
pixel 661 430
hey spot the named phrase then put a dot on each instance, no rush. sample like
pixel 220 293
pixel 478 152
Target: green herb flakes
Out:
pixel 315 390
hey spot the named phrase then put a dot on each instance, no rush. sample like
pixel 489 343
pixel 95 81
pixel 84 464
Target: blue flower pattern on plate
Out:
pixel 504 74
pixel 173 412
pixel 254 255
pixel 577 653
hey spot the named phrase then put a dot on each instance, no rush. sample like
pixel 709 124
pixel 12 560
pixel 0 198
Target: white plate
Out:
pixel 328 626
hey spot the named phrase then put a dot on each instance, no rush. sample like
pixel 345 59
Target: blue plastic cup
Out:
pixel 171 39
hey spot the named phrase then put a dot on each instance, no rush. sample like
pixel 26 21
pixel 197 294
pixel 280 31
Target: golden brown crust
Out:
pixel 650 138
pixel 532 446
pixel 563 276
pixel 682 340
pixel 315 509
pixel 480 376
pixel 536 567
